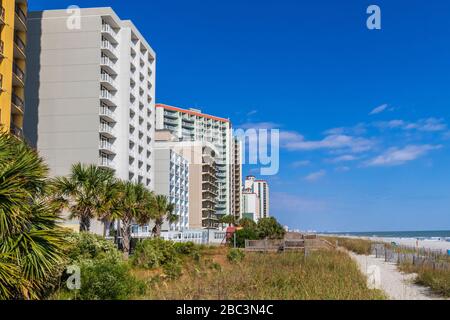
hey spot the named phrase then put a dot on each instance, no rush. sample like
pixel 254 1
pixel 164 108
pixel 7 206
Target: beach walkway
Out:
pixel 396 285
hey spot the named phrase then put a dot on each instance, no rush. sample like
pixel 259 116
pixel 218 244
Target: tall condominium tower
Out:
pixel 92 88
pixel 193 125
pixel 261 188
pixel 13 38
pixel 236 178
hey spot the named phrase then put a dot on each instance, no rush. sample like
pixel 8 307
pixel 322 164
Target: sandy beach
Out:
pixel 409 242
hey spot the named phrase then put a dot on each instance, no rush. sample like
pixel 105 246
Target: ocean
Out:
pixel 445 234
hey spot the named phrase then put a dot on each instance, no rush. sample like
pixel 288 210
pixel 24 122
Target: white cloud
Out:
pixel 316 176
pixel 359 129
pixel 259 125
pixel 344 158
pixel 426 125
pixel 395 156
pixel 301 163
pixel 251 113
pixel 295 142
pixel 379 109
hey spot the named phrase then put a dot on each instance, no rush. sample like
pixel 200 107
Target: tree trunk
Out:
pixel 157 229
pixel 126 237
pixel 85 223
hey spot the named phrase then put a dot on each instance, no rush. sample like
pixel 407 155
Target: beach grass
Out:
pixel 358 246
pixel 320 275
pixel 437 280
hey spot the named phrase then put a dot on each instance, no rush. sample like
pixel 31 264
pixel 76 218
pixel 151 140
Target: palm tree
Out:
pixel 84 192
pixel 133 205
pixel 228 219
pixel 163 210
pixel 31 243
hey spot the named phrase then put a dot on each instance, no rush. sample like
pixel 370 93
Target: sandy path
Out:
pixel 396 285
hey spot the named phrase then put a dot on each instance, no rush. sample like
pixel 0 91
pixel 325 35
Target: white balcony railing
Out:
pixel 105 94
pixel 105 162
pixel 105 61
pixel 106 128
pixel 105 111
pixel 104 77
pixel 106 45
pixel 108 29
pixel 106 146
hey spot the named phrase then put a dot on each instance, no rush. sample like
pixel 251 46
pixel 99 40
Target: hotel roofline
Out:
pixel 191 112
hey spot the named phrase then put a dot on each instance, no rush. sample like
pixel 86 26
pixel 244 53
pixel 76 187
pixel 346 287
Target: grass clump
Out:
pixel 358 246
pixel 437 280
pixel 235 255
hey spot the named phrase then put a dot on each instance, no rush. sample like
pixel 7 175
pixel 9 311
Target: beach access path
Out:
pixel 395 284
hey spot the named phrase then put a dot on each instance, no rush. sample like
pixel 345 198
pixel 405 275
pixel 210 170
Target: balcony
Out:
pixel 106 114
pixel 108 81
pixel 106 162
pixel 109 33
pixel 107 97
pixel 171 122
pixel 108 49
pixel 106 130
pixel 19 48
pixel 18 104
pixel 108 65
pixel 20 20
pixel 15 130
pixel 107 147
pixel 19 76
pixel 2 15
pixel 2 49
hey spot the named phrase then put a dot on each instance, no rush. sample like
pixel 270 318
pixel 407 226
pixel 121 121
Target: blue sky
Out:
pixel 363 114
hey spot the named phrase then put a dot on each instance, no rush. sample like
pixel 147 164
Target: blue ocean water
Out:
pixel 445 234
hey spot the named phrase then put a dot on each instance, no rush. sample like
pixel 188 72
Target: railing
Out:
pixel 2 47
pixel 18 72
pixel 21 15
pixel 105 94
pixel 20 44
pixel 107 62
pixel 106 128
pixel 105 162
pixel 104 111
pixel 107 78
pixel 16 100
pixel 106 145
pixel 15 130
pixel 107 28
pixel 107 45
pixel 2 14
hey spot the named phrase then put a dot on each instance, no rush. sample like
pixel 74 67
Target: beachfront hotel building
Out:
pixel 236 177
pixel 203 184
pixel 13 39
pixel 172 181
pixel 260 188
pixel 250 205
pixel 92 87
pixel 193 125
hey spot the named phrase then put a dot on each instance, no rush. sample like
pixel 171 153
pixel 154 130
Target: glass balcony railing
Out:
pixel 18 72
pixel 18 102
pixel 19 43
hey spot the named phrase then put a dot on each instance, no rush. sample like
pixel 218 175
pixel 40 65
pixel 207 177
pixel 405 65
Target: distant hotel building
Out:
pixel 92 90
pixel 250 205
pixel 236 177
pixel 193 125
pixel 203 186
pixel 172 181
pixel 261 189
pixel 13 35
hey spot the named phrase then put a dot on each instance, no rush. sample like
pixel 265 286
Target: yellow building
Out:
pixel 13 30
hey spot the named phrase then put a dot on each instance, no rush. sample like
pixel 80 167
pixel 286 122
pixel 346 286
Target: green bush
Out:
pixel 107 279
pixel 154 253
pixel 242 235
pixel 235 255
pixel 89 246
pixel 270 228
pixel 172 269
pixel 185 248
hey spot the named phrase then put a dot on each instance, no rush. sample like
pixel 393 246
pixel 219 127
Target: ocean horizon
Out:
pixel 398 234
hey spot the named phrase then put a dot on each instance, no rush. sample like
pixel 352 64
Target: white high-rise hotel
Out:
pixel 91 86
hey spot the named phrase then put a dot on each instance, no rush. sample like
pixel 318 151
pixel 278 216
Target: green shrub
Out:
pixel 270 228
pixel 185 248
pixel 107 279
pixel 154 253
pixel 242 235
pixel 89 246
pixel 172 269
pixel 235 255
